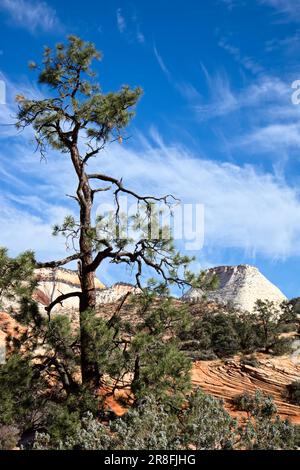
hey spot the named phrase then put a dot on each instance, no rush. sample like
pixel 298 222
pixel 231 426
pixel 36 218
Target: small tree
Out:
pixel 293 392
pixel 270 319
pixel 16 276
pixel 79 120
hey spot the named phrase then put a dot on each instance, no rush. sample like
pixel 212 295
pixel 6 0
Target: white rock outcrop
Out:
pixel 239 286
pixel 54 282
pixel 115 293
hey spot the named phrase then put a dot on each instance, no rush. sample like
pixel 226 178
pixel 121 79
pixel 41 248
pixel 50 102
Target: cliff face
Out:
pixel 54 282
pixel 115 293
pixel 239 286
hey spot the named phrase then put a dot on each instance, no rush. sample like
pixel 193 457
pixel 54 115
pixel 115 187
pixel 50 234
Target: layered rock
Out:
pixel 238 286
pixel 227 379
pixel 54 282
pixel 115 293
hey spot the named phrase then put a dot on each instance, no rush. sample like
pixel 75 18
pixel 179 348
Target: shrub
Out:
pixel 207 425
pixel 249 361
pixel 293 392
pixel 282 346
pixel 9 437
pixel 255 405
pixel 203 424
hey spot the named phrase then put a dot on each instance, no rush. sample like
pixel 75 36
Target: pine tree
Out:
pixel 79 120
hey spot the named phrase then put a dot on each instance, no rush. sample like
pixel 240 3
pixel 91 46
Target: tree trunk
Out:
pixel 89 369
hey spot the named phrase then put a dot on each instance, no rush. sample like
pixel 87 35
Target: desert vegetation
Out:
pixel 57 376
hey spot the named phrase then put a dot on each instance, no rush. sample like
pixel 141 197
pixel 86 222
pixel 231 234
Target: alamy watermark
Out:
pixel 180 222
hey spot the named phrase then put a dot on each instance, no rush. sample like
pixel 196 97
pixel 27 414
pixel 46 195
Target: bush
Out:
pixel 282 346
pixel 205 356
pixel 264 433
pixel 249 361
pixel 207 425
pixel 226 334
pixel 293 392
pixel 255 405
pixel 204 424
pixel 9 437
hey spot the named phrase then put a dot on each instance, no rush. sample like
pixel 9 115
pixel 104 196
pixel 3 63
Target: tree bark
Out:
pixel 89 370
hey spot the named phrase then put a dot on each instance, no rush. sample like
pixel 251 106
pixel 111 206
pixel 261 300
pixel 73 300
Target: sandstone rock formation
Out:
pixel 227 379
pixel 239 286
pixel 115 293
pixel 54 282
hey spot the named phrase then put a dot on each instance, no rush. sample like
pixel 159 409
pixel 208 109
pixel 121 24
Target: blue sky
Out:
pixel 216 124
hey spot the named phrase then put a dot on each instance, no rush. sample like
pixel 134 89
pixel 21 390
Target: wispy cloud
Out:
pixel 230 4
pixel 266 120
pixel 289 9
pixel 139 35
pixel 273 137
pixel 32 15
pixel 161 63
pixel 246 61
pixel 130 27
pixel 245 208
pixel 287 44
pixel 268 93
pixel 121 22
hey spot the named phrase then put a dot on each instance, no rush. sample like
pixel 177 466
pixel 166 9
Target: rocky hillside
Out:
pixel 227 379
pixel 238 286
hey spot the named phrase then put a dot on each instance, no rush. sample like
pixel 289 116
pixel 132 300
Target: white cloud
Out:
pixel 22 230
pixel 139 35
pixel 130 27
pixel 161 63
pixel 266 93
pixel 285 8
pixel 273 137
pixel 31 14
pixel 247 62
pixel 245 208
pixel 121 22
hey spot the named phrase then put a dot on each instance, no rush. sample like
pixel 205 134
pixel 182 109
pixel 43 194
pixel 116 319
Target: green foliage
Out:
pixel 146 350
pixel 226 334
pixel 293 392
pixel 66 69
pixel 21 388
pixel 9 437
pixel 207 426
pixel 268 434
pixel 16 276
pixel 148 426
pixel 257 405
pixel 203 424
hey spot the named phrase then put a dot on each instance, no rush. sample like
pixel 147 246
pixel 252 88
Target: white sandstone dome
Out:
pixel 239 286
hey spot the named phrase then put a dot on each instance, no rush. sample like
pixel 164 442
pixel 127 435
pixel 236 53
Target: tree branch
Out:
pixel 121 188
pixel 60 299
pixel 56 264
